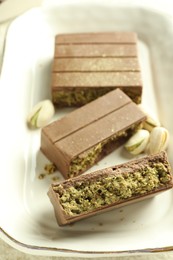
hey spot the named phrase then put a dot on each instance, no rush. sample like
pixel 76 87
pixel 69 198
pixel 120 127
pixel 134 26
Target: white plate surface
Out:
pixel 27 219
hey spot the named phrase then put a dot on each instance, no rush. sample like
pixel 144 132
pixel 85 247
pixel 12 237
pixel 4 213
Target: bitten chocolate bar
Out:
pixel 88 65
pixel 84 136
pixel 110 188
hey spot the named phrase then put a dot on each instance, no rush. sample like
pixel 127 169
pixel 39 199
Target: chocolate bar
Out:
pixel 84 136
pixel 88 65
pixel 110 188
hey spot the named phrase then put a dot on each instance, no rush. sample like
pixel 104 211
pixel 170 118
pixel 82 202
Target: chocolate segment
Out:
pixel 96 79
pixel 95 50
pixel 99 38
pixel 89 65
pixel 110 188
pixel 96 64
pixel 83 137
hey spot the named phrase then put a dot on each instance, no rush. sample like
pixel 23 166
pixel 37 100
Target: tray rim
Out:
pixel 43 250
pixel 28 248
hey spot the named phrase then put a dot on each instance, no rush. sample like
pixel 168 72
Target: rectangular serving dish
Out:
pixel 27 220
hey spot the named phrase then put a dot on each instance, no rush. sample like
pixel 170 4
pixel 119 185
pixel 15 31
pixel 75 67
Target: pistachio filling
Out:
pixel 88 158
pixel 88 195
pixel 81 97
pixel 80 163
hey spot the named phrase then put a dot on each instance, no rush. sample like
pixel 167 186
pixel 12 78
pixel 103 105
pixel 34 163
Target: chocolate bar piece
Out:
pixel 83 137
pixel 110 188
pixel 88 65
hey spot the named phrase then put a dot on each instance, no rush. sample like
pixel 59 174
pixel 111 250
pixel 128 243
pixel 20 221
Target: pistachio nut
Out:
pixel 158 141
pixel 150 121
pixel 41 114
pixel 137 142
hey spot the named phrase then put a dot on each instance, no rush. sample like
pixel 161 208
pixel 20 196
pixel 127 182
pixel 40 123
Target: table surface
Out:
pixel 10 9
pixel 9 253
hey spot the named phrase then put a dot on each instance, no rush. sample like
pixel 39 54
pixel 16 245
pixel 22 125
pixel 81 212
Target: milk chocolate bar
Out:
pixel 83 137
pixel 88 65
pixel 110 188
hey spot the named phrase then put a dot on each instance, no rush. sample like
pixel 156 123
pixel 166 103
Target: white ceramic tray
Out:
pixel 27 219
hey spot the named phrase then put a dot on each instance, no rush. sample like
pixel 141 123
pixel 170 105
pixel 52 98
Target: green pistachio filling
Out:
pixel 80 163
pixel 88 195
pixel 88 158
pixel 81 97
pixel 85 160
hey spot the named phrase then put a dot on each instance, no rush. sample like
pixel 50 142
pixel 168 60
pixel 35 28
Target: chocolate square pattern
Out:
pixel 88 65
